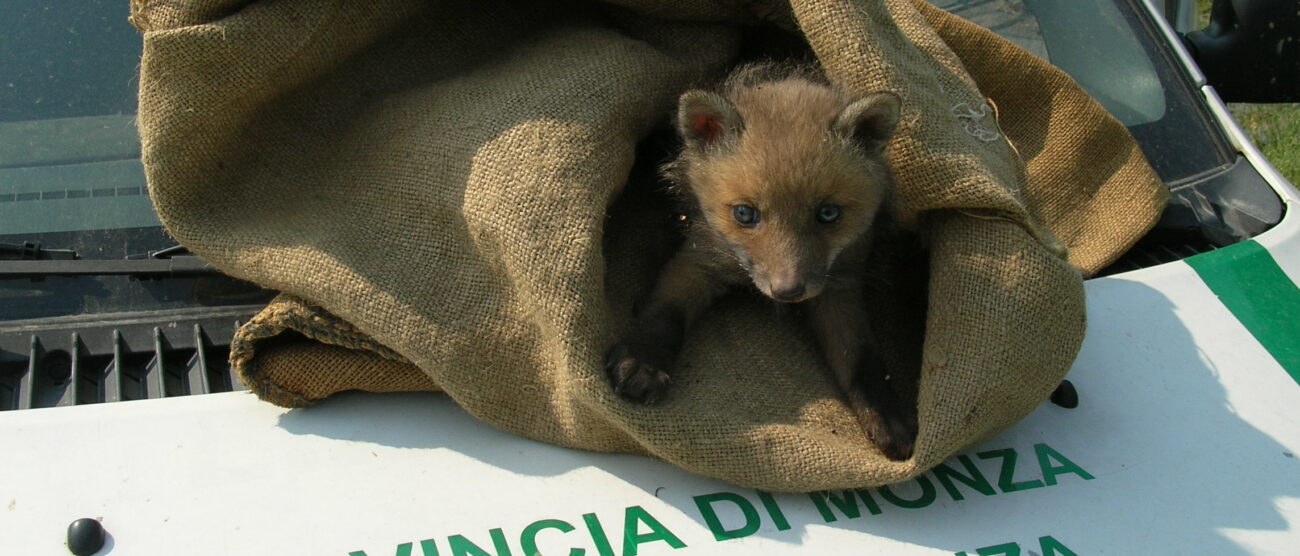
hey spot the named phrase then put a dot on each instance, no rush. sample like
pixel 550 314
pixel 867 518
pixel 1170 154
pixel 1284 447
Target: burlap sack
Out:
pixel 436 187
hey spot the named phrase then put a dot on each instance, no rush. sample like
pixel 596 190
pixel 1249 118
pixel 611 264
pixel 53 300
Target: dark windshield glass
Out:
pixel 69 152
pixel 67 59
pixel 70 172
pixel 1119 60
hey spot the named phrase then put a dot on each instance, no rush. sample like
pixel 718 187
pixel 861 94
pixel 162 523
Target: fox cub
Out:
pixel 786 188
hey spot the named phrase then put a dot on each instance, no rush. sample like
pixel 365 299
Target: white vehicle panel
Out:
pixel 1184 442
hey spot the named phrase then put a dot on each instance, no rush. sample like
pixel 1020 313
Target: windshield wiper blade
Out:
pixel 36 263
pixel 176 266
pixel 32 251
pixel 164 253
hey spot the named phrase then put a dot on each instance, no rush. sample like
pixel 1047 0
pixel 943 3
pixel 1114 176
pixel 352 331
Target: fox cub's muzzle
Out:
pixel 790 285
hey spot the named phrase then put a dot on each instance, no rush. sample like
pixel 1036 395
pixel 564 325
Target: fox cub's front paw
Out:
pixel 633 377
pixel 893 431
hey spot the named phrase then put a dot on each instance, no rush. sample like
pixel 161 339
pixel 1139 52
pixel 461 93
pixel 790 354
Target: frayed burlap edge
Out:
pixel 252 346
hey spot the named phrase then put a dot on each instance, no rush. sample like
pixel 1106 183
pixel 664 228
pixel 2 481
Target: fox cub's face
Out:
pixel 787 174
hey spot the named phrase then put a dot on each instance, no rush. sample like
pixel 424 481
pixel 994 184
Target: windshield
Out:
pixel 69 153
pixel 1110 51
pixel 71 177
pixel 71 180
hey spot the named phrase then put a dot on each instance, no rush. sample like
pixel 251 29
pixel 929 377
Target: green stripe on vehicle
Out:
pixel 1261 296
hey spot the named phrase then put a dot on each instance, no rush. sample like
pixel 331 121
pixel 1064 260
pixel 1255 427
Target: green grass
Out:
pixel 1274 128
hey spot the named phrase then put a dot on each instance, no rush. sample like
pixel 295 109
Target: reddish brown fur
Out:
pixel 786 163
pixel 782 143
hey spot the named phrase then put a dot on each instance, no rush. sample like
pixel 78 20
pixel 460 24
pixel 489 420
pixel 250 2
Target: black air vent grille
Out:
pixel 51 364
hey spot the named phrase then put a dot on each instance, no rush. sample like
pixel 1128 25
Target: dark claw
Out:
pixel 895 439
pixel 634 379
pixel 894 434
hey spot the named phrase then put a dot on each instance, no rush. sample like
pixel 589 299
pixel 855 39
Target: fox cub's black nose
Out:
pixel 789 293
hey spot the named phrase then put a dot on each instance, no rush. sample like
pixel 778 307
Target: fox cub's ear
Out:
pixel 870 121
pixel 705 119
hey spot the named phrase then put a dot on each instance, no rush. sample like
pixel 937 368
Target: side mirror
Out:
pixel 1250 52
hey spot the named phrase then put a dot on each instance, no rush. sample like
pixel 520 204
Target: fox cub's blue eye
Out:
pixel 745 215
pixel 828 214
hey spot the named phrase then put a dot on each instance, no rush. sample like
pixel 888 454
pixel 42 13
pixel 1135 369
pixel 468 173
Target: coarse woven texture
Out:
pixel 290 335
pixel 442 192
